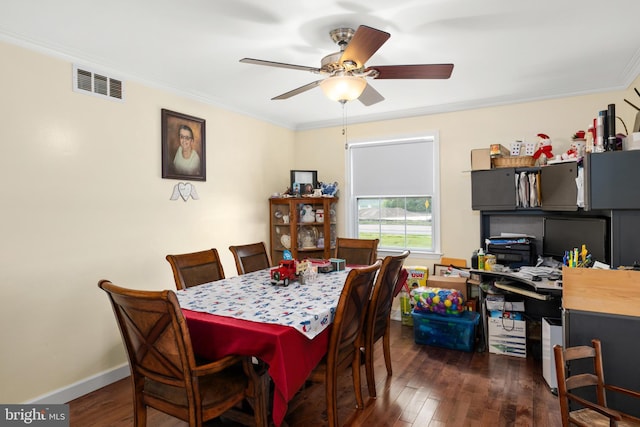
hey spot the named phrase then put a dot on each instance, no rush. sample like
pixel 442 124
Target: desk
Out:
pixel 543 298
pixel 286 327
pixel 523 285
pixel 604 304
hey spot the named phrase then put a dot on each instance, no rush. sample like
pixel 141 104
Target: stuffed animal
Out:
pixel 543 150
pixel 571 153
pixel 577 149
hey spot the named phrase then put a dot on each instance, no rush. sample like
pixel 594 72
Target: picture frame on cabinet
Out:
pixel 306 189
pixel 444 270
pixel 295 189
pixel 183 146
pixel 440 269
pixel 302 178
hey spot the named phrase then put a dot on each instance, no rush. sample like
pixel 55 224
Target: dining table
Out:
pixel 286 327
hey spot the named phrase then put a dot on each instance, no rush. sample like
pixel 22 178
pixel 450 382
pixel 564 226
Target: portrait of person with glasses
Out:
pixel 187 160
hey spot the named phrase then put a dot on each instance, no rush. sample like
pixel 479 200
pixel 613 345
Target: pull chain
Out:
pixel 344 122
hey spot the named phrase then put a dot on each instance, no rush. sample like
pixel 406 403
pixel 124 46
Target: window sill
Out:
pixel 414 254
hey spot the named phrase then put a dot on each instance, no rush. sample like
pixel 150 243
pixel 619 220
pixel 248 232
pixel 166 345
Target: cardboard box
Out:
pixel 406 307
pixel 417 276
pixel 480 159
pixel 449 282
pixel 507 336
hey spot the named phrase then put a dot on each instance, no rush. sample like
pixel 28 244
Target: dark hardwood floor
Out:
pixel 430 386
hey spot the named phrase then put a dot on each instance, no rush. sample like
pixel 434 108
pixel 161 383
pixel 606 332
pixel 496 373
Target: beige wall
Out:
pixel 83 199
pixel 459 133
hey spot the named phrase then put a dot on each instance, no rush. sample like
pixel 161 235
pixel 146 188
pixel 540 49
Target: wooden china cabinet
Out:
pixel 304 225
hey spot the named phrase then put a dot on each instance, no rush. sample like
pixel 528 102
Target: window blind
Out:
pixel 393 168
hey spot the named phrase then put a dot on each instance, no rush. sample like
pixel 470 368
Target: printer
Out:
pixel 513 251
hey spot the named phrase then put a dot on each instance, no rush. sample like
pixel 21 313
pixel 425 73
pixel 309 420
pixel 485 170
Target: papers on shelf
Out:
pixel 542 272
pixel 527 186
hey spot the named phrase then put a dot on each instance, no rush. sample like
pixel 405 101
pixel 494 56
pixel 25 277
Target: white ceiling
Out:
pixel 504 51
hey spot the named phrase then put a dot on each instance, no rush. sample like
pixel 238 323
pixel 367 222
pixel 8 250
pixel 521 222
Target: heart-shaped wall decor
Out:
pixel 185 190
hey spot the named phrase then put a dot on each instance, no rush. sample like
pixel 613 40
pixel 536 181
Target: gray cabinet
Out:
pixel 611 180
pixel 620 337
pixel 559 191
pixel 495 189
pixel 611 191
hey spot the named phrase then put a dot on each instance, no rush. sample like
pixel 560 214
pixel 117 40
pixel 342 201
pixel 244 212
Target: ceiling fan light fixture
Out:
pixel 343 88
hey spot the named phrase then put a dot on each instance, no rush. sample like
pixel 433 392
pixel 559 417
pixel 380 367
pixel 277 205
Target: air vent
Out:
pixel 97 83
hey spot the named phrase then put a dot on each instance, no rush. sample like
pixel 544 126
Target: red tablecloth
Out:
pixel 290 355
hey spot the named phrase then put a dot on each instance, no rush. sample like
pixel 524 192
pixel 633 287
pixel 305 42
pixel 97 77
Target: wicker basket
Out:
pixel 513 161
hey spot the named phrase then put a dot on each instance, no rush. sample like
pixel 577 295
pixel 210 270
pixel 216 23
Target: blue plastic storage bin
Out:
pixel 457 333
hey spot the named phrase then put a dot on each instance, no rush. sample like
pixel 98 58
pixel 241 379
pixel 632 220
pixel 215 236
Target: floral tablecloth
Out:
pixel 308 308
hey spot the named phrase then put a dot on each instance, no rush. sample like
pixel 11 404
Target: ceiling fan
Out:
pixel 346 72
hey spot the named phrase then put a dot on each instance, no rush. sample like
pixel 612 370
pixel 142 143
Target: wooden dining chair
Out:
pixel 357 251
pixel 196 268
pixel 587 412
pixel 251 257
pixel 378 320
pixel 344 338
pixel 164 371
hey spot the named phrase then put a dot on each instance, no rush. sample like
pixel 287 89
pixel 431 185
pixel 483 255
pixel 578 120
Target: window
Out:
pixel 393 193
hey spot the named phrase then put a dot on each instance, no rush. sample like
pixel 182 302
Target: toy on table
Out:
pixel 285 273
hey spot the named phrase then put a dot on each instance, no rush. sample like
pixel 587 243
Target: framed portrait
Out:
pixel 303 179
pixel 183 147
pixel 306 189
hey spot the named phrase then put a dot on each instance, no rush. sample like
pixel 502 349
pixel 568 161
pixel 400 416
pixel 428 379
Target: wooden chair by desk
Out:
pixel 251 257
pixel 164 371
pixel 357 251
pixel 196 268
pixel 345 337
pixel 590 413
pixel 378 321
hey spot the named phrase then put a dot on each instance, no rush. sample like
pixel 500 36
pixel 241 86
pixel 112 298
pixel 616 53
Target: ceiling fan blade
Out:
pixel 297 91
pixel 279 65
pixel 370 96
pixel 364 43
pixel 421 71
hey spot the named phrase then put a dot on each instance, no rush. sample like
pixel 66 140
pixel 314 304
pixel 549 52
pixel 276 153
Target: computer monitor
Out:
pixel 563 234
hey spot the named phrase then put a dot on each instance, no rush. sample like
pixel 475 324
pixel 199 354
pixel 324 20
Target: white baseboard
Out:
pixel 82 387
